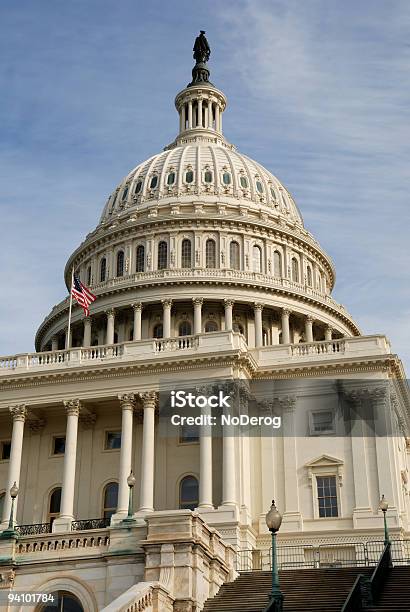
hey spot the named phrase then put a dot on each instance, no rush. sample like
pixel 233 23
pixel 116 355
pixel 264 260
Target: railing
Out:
pixel 36 529
pixel 349 554
pixel 86 524
pixel 102 352
pixel 318 348
pixel 62 542
pixel 139 597
pixel 381 571
pixel 176 344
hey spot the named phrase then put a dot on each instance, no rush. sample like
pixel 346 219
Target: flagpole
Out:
pixel 67 340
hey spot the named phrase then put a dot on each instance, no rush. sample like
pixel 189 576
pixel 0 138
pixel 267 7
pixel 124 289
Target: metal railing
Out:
pixel 86 524
pixel 348 554
pixel 36 529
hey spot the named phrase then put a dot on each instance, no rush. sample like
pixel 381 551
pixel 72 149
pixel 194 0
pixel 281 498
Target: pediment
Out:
pixel 324 461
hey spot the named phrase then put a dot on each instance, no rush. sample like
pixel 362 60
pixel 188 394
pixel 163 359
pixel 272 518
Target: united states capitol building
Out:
pixel 203 271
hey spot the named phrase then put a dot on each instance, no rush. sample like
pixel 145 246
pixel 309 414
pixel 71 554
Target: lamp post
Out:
pixel 274 521
pixel 10 531
pixel 383 506
pixel 131 483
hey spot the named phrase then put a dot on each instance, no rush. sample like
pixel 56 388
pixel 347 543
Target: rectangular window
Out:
pixel 188 434
pixel 112 440
pixel 321 422
pixel 5 449
pixel 327 496
pixel 59 445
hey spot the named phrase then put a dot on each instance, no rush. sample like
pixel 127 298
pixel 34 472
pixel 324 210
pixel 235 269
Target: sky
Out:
pixel 318 92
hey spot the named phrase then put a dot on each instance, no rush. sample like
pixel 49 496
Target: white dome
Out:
pixel 204 171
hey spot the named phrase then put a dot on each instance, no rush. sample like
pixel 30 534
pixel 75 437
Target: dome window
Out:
pixel 103 269
pixel 257 258
pixel 185 329
pixel 210 253
pixel 186 254
pixel 226 177
pixel 138 188
pixel 295 270
pixel 277 264
pixel 162 255
pixel 124 194
pixel 140 258
pixel 189 176
pixel 273 194
pixel 120 263
pixel 210 326
pixel 309 276
pixel 208 177
pixel 259 186
pixel 244 182
pixel 158 331
pixel 154 182
pixel 234 255
pixel 171 178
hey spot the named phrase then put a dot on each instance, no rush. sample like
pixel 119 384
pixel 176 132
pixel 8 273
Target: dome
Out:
pixel 200 218
pixel 204 171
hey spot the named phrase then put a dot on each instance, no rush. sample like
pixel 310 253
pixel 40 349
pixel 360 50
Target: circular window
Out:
pixel 138 187
pixel 226 177
pixel 244 182
pixel 189 176
pixel 259 186
pixel 154 182
pixel 171 178
pixel 208 176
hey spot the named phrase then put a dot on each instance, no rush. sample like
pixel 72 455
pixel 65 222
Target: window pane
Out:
pixel 322 421
pixel 244 182
pixel 140 259
pixel 158 331
pixel 189 433
pixel 120 263
pixel 55 501
pixel 277 264
pixel 185 329
pixel 257 259
pixel 208 176
pixel 154 182
pixel 112 440
pixel 103 269
pixel 162 255
pixel 226 177
pixel 111 496
pixel 124 194
pixel 171 178
pixel 188 493
pixel 138 187
pixel 210 249
pixel 234 255
pixel 59 445
pixel 327 496
pixel 295 270
pixel 186 254
pixel 211 326
pixel 259 186
pixel 5 450
pixel 189 176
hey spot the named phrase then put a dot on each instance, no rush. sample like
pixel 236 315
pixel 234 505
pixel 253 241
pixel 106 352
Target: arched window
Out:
pixel 277 264
pixel 138 187
pixel 103 269
pixel 244 182
pixel 309 275
pixel 140 258
pixel 188 493
pixel 295 270
pixel 211 326
pixel 158 331
pixel 210 253
pixel 124 194
pixel 162 255
pixel 208 177
pixel 120 263
pixel 259 186
pixel 63 602
pixel 226 178
pixel 189 176
pixel 257 258
pixel 54 505
pixel 319 281
pixel 234 255
pixel 89 275
pixel 186 254
pixel 110 499
pixel 185 329
pixel 153 182
pixel 171 178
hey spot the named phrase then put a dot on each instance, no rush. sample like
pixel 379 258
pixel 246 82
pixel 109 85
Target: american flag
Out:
pixel 82 294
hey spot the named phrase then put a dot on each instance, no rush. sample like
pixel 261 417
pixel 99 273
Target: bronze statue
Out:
pixel 202 50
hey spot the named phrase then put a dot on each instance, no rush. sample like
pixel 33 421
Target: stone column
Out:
pixel 257 308
pixel 198 315
pixel 200 113
pixel 190 115
pixel 291 514
pixel 205 462
pixel 18 414
pixel 127 408
pixel 285 326
pixel 217 118
pixel 384 403
pixel 137 320
pixel 167 304
pixel 210 118
pixel 110 326
pixel 63 522
pixel 148 452
pixel 309 328
pixel 228 314
pixel 87 332
pixel 328 333
pixel 54 343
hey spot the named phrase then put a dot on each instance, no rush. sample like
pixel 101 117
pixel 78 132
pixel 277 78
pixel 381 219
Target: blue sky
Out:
pixel 318 92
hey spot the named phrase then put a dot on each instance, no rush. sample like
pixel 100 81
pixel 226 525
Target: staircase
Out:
pixel 395 596
pixel 305 590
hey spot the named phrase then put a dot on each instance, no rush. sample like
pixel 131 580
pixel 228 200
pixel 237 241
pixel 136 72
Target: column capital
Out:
pixel 18 412
pixel 110 312
pixel 229 303
pixel 286 312
pixel 286 402
pixel 137 306
pixel 72 407
pixel 258 306
pixel 198 301
pixel 329 328
pixel 87 320
pixel 127 400
pixel 309 319
pixel 167 303
pixel 149 399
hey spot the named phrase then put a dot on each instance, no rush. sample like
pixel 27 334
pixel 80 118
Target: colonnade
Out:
pixel 192 115
pixel 197 322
